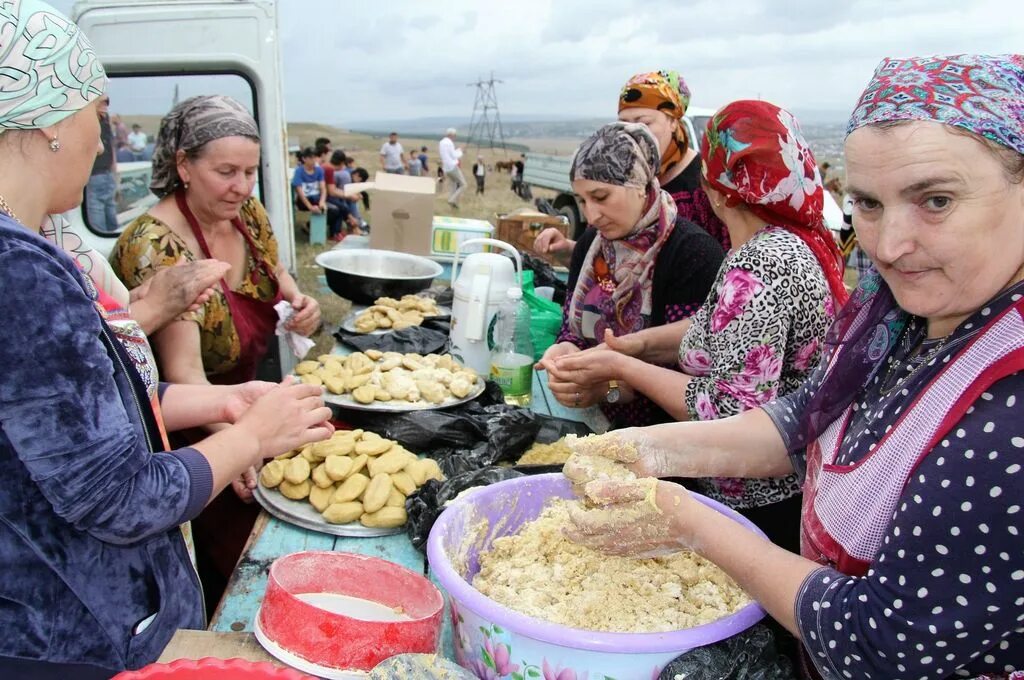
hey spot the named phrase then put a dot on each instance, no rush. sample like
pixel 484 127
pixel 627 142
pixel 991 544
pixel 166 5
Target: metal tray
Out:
pixel 349 324
pixel 301 513
pixel 346 401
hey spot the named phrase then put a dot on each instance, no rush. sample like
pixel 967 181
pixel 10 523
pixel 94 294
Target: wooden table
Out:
pixel 272 538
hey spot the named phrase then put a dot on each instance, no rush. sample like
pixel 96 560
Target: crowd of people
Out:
pixel 873 436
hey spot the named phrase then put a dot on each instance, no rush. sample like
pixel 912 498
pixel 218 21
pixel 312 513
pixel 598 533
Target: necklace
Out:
pixel 7 209
pixel 913 355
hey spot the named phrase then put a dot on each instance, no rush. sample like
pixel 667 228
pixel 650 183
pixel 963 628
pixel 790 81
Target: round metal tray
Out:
pixel 349 324
pixel 346 401
pixel 301 513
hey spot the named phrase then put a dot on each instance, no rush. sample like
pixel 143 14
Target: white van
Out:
pixel 159 52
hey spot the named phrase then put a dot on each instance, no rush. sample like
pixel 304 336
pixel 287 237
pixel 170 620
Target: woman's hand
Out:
pixel 288 416
pixel 560 349
pixel 640 518
pixel 306 318
pixel 589 368
pixel 172 291
pixel 240 398
pixel 630 344
pixel 552 241
pixel 646 451
pixel 246 484
pixel 574 395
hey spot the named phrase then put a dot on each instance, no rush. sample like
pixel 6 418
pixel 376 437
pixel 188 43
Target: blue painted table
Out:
pixel 272 538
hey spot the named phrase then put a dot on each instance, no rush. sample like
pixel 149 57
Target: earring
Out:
pixel 55 144
pixel 185 185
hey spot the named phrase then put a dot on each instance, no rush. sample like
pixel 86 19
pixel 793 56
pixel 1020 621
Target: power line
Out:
pixel 485 123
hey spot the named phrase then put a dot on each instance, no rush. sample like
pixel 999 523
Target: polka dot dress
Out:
pixel 945 595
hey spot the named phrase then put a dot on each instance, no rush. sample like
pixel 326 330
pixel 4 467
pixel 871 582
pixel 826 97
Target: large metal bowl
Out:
pixel 362 275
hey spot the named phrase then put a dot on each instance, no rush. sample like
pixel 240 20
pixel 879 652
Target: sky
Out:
pixel 395 60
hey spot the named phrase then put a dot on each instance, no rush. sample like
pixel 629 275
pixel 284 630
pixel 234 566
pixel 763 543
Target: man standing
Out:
pixel 392 156
pixel 101 191
pixel 423 161
pixel 137 143
pixel 480 173
pixel 450 156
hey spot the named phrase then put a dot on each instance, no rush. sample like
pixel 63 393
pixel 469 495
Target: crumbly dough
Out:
pixel 555 453
pixel 540 573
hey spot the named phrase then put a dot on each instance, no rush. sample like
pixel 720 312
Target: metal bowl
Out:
pixel 362 276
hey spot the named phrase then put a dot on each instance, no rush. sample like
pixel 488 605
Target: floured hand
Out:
pixel 639 518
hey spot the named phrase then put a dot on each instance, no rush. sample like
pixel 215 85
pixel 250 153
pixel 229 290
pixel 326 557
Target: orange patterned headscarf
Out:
pixel 663 91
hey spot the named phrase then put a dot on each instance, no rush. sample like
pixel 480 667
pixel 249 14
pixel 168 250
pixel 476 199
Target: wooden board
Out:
pixel 197 644
pixel 522 230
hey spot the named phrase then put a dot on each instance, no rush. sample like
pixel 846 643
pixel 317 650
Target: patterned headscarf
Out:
pixel 191 124
pixel 621 154
pixel 50 69
pixel 663 91
pixel 982 94
pixel 979 93
pixel 755 154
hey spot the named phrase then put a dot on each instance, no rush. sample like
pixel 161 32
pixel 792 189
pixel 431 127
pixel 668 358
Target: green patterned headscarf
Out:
pixel 48 68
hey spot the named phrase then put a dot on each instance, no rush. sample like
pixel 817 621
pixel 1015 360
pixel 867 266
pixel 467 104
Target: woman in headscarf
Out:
pixel 909 433
pixel 204 169
pixel 95 575
pixel 659 99
pixel 758 333
pixel 640 266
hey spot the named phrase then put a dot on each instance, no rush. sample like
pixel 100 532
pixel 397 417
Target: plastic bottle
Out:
pixel 512 356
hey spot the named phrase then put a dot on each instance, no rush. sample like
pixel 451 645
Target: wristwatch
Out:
pixel 614 394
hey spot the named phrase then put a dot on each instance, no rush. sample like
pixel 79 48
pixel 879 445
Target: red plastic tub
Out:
pixel 343 637
pixel 210 668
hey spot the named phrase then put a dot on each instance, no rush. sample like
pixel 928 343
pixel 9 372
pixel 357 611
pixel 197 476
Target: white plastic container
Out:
pixel 481 287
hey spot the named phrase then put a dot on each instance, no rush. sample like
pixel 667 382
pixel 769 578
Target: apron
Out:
pixel 254 320
pixel 848 507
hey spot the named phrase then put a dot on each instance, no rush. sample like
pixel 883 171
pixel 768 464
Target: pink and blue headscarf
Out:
pixel 980 93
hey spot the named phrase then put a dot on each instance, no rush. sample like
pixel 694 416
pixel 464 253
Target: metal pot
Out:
pixel 362 276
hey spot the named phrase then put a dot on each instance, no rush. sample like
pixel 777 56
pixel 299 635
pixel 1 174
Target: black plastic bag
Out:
pixel 428 338
pixel 750 655
pixel 544 275
pixel 427 502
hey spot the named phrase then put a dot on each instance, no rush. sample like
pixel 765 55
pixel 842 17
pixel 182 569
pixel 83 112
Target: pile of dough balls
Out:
pixel 354 475
pixel 389 313
pixel 390 376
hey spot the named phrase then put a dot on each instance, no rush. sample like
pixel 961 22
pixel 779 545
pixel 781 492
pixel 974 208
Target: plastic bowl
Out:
pixel 363 275
pixel 488 634
pixel 337 640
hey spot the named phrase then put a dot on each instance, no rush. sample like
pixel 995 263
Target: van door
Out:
pixel 159 52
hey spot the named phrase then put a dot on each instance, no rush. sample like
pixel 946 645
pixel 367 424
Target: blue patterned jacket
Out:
pixel 89 514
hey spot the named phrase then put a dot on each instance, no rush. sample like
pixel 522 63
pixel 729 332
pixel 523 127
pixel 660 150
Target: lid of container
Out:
pixel 515 293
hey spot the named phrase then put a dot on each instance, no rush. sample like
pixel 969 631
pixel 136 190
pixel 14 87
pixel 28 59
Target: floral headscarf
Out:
pixel 976 92
pixel 663 91
pixel 755 154
pixel 982 94
pixel 50 69
pixel 621 154
pixel 191 124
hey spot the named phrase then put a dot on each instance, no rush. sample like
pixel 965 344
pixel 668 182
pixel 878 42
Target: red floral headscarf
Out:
pixel 755 154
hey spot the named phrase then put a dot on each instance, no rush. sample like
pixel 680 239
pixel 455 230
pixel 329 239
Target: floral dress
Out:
pixel 757 336
pixel 147 245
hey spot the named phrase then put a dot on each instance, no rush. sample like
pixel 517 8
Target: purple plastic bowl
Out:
pixel 508 505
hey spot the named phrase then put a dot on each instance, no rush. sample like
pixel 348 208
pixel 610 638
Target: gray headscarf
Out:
pixel 623 154
pixel 191 124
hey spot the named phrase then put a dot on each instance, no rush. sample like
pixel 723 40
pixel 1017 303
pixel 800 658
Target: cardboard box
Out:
pixel 449 233
pixel 401 212
pixel 522 229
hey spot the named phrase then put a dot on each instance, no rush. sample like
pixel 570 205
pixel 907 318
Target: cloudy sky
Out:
pixel 404 59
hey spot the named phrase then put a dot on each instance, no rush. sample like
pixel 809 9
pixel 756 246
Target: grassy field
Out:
pixel 497 199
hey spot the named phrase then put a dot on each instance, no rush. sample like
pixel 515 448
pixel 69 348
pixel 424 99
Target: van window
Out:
pixel 144 100
pixel 700 126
